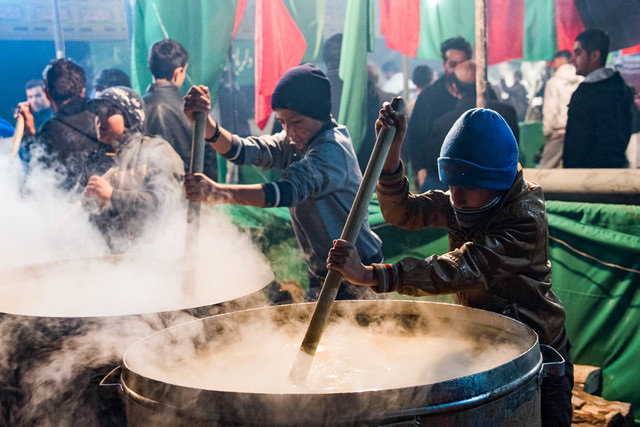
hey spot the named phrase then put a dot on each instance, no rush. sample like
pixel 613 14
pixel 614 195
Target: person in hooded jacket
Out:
pixel 146 179
pixel 557 94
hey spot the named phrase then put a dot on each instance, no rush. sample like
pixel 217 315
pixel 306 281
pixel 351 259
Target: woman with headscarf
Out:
pixel 146 178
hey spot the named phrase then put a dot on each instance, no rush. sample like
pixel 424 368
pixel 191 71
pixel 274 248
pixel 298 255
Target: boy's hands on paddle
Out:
pixel 343 257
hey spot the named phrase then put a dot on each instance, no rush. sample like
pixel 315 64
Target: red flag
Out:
pixel 631 50
pixel 279 46
pixel 568 24
pixel 239 12
pixel 505 24
pixel 400 24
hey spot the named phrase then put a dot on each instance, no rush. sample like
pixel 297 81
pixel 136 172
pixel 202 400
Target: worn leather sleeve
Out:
pixel 411 211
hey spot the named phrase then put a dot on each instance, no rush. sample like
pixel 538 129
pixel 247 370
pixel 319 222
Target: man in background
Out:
pixel 517 94
pixel 331 55
pixel 38 102
pixel 69 143
pixel 600 110
pixel 433 102
pixel 109 77
pixel 422 78
pixel 464 86
pixel 557 95
pixel 168 62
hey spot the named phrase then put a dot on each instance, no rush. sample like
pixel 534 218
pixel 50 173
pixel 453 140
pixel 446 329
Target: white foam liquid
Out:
pixel 349 359
pixel 97 287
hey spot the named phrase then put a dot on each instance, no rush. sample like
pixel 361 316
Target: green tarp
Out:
pixel 602 301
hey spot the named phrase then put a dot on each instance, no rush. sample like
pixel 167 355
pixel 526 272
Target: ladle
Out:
pixel 359 209
pixel 193 209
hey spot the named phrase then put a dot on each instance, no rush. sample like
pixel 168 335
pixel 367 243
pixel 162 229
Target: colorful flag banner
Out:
pixel 357 40
pixel 279 46
pixel 532 30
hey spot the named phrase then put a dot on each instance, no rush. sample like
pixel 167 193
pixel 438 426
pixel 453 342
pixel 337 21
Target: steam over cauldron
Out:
pixel 64 325
pixel 174 377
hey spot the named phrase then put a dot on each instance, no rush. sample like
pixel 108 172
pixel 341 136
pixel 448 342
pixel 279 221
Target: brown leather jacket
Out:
pixel 501 265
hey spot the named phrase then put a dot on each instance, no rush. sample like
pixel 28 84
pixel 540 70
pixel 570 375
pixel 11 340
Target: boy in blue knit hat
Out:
pixel 498 237
pixel 320 173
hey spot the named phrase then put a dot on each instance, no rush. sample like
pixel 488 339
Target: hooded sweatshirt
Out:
pixel 557 95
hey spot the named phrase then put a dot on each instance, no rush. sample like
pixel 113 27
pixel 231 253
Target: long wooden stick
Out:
pixel 358 213
pixel 193 210
pixel 17 135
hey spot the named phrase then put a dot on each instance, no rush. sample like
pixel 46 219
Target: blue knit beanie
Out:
pixel 479 151
pixel 306 90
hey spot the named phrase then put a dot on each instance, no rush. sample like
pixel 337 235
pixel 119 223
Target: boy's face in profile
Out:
pixel 299 128
pixel 467 197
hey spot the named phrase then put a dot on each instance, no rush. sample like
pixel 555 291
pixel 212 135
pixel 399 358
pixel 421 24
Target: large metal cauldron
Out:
pixel 58 340
pixel 505 394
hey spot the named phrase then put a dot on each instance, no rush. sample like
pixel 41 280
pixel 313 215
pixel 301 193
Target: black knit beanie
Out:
pixel 306 90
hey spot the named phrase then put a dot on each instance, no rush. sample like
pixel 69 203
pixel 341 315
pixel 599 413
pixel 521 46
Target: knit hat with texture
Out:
pixel 479 151
pixel 306 90
pixel 127 101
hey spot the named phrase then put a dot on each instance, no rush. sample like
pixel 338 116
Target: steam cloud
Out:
pixel 69 309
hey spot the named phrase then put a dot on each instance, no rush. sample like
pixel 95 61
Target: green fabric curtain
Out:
pixel 442 20
pixel 356 42
pixel 539 37
pixel 602 302
pixel 203 27
pixel 309 16
pixel 531 141
pixel 445 19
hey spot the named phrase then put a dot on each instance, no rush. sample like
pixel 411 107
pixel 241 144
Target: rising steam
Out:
pixel 69 309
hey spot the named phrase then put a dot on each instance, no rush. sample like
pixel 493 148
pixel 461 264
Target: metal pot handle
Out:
pixel 107 382
pixel 552 362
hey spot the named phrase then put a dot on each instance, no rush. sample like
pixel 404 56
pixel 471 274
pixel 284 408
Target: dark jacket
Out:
pixel 517 97
pixel 432 103
pixel 70 142
pixel 598 124
pixel 443 124
pixel 165 118
pixel 146 180
pixel 500 265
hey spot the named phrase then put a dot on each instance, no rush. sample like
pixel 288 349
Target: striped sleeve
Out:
pixel 388 277
pixel 277 194
pixel 235 151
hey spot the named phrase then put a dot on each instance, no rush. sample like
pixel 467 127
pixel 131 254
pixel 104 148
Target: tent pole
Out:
pixel 405 72
pixel 481 52
pixel 57 31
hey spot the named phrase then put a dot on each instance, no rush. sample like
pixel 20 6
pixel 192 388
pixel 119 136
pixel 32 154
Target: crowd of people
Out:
pixel 128 157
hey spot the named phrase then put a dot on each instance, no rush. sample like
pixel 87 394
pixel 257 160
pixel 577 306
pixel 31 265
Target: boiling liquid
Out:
pixel 349 359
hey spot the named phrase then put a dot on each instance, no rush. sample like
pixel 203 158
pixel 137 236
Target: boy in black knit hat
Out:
pixel 320 173
pixel 498 237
